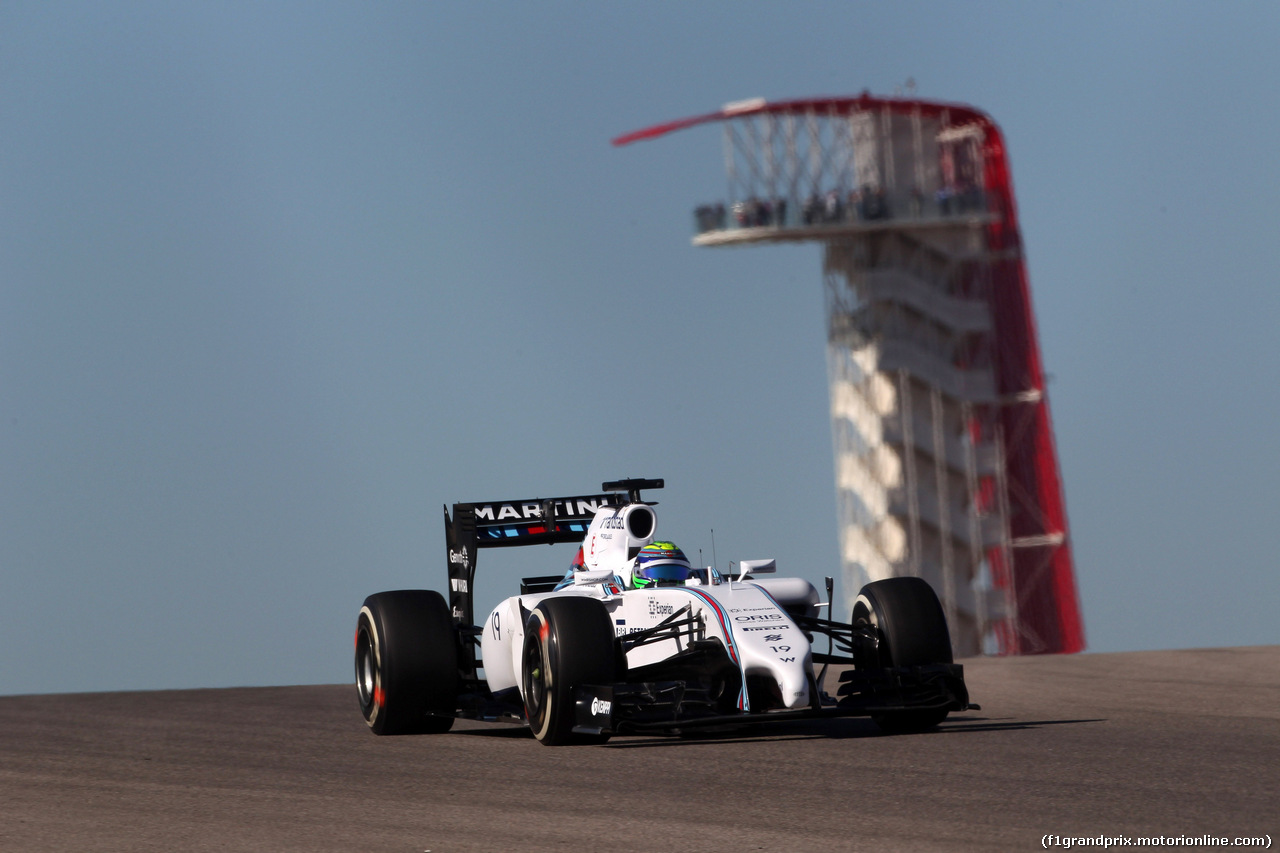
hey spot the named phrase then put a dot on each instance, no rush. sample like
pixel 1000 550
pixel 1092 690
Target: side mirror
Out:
pixel 593 576
pixel 756 567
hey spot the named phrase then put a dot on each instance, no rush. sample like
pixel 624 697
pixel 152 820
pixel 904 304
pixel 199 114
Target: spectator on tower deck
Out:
pixel 856 209
pixel 763 211
pixel 971 197
pixel 811 210
pixel 944 200
pixel 875 202
pixel 705 218
pixel 752 213
pixel 833 210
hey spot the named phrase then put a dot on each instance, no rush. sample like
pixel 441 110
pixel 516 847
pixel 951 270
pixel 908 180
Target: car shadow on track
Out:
pixel 845 729
pixel 838 729
pixel 772 732
pixel 1003 724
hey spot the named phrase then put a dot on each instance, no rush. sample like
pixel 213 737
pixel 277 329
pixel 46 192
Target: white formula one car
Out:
pixel 635 640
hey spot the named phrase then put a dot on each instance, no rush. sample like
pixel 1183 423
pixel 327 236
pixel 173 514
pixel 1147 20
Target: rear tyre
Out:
pixel 567 642
pixel 406 662
pixel 912 629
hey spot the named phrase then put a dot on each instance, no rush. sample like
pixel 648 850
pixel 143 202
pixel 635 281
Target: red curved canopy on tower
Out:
pixel 960 113
pixel 1042 573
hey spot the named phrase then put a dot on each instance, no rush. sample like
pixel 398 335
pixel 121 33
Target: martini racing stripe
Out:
pixel 732 647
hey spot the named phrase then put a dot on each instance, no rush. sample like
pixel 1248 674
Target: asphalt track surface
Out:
pixel 1182 743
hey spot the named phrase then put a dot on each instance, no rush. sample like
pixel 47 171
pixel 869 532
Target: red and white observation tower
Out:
pixel 945 462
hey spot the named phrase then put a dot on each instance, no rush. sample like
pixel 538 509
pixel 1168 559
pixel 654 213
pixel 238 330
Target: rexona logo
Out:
pixel 759 617
pixel 600 706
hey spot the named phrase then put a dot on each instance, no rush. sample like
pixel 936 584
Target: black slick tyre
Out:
pixel 568 642
pixel 912 631
pixel 406 662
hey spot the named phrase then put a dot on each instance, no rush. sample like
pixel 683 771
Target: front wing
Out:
pixel 656 706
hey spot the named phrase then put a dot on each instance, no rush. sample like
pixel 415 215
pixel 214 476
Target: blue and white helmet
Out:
pixel 660 562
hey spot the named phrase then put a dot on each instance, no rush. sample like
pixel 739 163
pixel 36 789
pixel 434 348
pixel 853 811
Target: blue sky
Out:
pixel 279 280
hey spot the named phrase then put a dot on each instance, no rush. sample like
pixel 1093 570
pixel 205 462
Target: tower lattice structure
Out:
pixel 945 464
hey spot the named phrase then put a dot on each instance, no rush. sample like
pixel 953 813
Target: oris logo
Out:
pixel 759 617
pixel 600 706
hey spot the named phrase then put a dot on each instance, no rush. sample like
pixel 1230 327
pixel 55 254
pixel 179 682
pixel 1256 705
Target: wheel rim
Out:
pixel 366 670
pixel 864 613
pixel 535 688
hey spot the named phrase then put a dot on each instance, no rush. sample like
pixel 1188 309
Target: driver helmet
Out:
pixel 660 562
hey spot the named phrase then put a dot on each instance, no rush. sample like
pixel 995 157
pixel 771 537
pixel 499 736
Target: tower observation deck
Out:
pixel 945 464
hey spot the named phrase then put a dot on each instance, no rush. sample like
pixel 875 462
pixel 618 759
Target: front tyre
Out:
pixel 406 662
pixel 567 642
pixel 912 631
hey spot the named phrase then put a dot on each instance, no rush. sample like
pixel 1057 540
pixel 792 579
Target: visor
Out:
pixel 671 571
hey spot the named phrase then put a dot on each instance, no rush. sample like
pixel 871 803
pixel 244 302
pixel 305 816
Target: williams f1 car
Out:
pixel 633 639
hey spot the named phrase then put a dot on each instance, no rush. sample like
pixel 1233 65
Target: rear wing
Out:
pixel 507 524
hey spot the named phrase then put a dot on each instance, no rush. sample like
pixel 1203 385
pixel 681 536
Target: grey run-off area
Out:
pixel 1137 744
